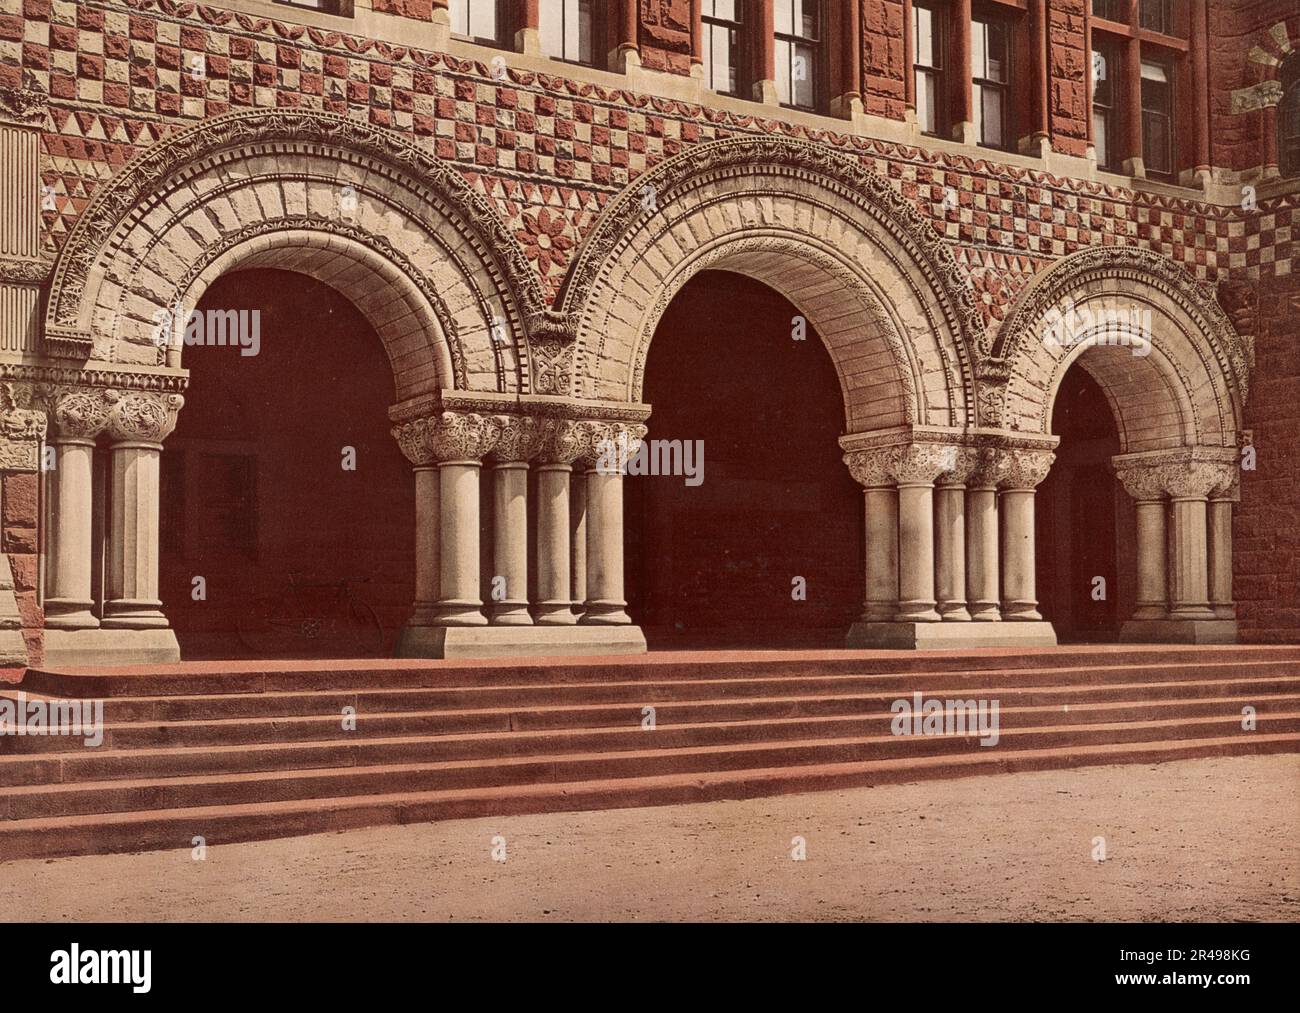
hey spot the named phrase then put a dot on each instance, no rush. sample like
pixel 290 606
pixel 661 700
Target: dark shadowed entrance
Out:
pixel 254 483
pixel 1085 519
pixel 714 564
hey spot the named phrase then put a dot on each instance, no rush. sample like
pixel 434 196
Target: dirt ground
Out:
pixel 1194 840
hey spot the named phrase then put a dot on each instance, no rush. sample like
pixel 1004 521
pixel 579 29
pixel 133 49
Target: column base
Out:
pixel 74 648
pixel 555 613
pixel 1179 631
pixel 948 636
pixel 517 641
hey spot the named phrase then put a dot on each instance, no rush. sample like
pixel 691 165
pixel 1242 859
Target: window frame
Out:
pixel 599 32
pixel 1003 88
pixel 938 73
pixel 504 34
pixel 817 46
pixel 736 36
pixel 1110 11
pixel 1112 111
pixel 1165 25
pixel 1170 115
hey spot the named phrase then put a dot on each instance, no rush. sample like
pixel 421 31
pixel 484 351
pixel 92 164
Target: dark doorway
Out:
pixel 1081 518
pixel 714 565
pixel 254 483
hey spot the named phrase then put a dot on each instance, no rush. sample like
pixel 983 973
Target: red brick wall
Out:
pixel 884 63
pixel 665 35
pixel 1236 139
pixel 1067 92
pixel 21 511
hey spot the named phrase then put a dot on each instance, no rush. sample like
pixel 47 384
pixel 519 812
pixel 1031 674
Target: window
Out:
pixel 990 79
pixel 721 20
pixel 479 20
pixel 1105 116
pixel 798 52
pixel 324 6
pixel 1157 119
pixel 1288 119
pixel 927 64
pixel 569 30
pixel 1111 10
pixel 1156 16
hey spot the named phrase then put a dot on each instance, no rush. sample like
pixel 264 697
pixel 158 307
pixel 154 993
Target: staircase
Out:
pixel 240 751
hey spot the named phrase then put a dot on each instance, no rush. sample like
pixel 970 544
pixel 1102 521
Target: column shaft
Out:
pixel 605 605
pixel 1152 561
pixel 510 543
pixel 881 602
pixel 427 520
pixel 554 605
pixel 68 600
pixel 1221 559
pixel 950 551
pixel 578 539
pixel 1019 603
pixel 132 591
pixel 916 554
pixel 982 555
pixel 1189 569
pixel 460 604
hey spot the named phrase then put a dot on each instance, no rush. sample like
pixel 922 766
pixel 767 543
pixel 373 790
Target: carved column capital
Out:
pixel 559 441
pixel 1023 469
pixel 22 428
pixel 609 446
pixel 1196 479
pixel 78 412
pixel 922 463
pixel 517 438
pixel 137 416
pixel 872 469
pixel 1143 482
pixel 964 462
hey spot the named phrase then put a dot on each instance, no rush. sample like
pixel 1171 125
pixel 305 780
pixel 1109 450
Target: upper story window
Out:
pixel 799 64
pixel 721 28
pixel 1157 118
pixel 1105 105
pixel 324 6
pixel 1156 16
pixel 991 81
pixel 928 63
pixel 571 30
pixel 1111 10
pixel 482 21
pixel 1288 119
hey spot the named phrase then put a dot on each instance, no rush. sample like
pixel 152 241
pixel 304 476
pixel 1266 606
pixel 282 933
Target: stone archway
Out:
pixel 396 231
pixel 1176 376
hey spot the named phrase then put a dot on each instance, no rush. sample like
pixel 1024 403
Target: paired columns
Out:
pixel 949 543
pixel 1184 544
pixel 132 425
pixel 575 600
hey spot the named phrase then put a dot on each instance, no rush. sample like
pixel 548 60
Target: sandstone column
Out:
pixel 1188 487
pixel 982 570
pixel 915 468
pixel 950 538
pixel 578 539
pixel 77 417
pixel 558 449
pixel 1221 500
pixel 515 444
pixel 1144 484
pixel 1025 469
pixel 871 470
pixel 459 442
pixel 609 450
pixel 137 426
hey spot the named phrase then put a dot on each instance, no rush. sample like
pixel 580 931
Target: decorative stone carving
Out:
pixel 1024 469
pixel 80 412
pixel 1195 479
pixel 24 105
pixel 516 438
pixel 924 462
pixel 1143 482
pixel 148 418
pixel 22 428
pixel 559 441
pixel 609 445
pixel 872 469
pixel 457 436
pixel 964 462
pixel 1188 473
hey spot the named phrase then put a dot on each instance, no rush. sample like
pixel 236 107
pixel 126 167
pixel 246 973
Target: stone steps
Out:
pixel 251 754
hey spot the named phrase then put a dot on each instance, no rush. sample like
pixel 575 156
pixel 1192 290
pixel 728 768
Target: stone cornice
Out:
pixel 539 406
pixel 162 382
